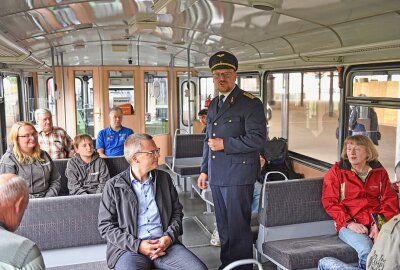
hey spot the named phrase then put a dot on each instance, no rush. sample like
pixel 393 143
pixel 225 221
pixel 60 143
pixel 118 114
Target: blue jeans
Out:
pixel 177 257
pixel 256 197
pixel 360 242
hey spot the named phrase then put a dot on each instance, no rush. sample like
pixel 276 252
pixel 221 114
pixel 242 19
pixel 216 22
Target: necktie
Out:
pixel 220 102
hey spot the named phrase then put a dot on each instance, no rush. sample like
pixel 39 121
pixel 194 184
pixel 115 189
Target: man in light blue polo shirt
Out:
pixel 110 141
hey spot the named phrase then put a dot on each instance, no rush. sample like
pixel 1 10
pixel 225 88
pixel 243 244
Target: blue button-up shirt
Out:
pixel 149 221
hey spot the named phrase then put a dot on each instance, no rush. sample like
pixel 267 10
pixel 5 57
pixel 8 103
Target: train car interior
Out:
pixel 311 63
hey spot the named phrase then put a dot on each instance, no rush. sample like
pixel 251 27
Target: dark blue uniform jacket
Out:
pixel 241 123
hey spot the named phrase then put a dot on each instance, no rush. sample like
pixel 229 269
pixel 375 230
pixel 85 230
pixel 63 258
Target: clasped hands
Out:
pixel 155 248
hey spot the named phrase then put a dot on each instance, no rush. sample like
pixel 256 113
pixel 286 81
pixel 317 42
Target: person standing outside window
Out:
pixel 235 136
pixel 110 141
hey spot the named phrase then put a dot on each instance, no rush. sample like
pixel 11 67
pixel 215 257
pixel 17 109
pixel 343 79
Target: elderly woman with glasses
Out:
pixel 355 193
pixel 24 158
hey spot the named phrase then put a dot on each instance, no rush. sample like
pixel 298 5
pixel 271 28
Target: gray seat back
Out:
pixel 188 145
pixel 116 165
pixel 61 165
pixel 60 222
pixel 292 202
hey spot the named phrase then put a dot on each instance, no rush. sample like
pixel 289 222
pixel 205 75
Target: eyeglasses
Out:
pixel 27 136
pixel 150 153
pixel 225 75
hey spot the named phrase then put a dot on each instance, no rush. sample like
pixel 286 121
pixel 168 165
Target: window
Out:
pixel 304 107
pixel 156 102
pixel 188 96
pixel 11 100
pixel 250 83
pixel 373 103
pixel 206 90
pixel 49 99
pixel 84 102
pixel 121 90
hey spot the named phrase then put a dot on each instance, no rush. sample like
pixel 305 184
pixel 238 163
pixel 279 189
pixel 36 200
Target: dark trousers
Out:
pixel 233 213
pixel 177 257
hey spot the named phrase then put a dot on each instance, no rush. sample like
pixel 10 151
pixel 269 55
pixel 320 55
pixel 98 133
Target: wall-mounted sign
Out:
pixel 124 103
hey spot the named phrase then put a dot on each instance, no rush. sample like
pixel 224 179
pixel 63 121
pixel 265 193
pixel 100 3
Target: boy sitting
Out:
pixel 87 173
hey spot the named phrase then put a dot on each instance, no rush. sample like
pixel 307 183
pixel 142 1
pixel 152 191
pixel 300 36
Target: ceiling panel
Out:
pixel 329 12
pixel 370 30
pixel 79 28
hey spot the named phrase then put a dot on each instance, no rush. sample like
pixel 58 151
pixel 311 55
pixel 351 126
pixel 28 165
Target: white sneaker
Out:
pixel 215 238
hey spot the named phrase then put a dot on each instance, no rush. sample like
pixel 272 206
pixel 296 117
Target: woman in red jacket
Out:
pixel 353 190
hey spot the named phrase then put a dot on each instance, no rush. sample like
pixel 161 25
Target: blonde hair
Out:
pixel 80 138
pixel 22 157
pixel 372 153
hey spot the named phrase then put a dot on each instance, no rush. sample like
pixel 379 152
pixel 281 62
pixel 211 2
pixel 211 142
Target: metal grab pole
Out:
pixel 188 87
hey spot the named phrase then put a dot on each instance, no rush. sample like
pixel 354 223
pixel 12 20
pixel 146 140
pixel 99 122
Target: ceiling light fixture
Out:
pixel 158 5
pixel 119 48
pixel 179 42
pixel 83 26
pixel 142 22
pixel 162 48
pixel 265 5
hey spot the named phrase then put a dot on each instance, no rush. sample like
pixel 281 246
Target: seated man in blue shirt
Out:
pixel 140 215
pixel 110 141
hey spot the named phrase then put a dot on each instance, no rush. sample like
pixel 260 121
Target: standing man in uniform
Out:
pixel 235 136
pixel 110 141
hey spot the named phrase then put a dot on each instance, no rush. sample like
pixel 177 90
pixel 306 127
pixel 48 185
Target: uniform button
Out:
pixel 244 162
pixel 215 124
pixel 213 156
pixel 214 134
pixel 230 121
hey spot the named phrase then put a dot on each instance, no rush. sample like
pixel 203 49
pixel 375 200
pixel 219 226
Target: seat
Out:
pixel 186 156
pixel 116 165
pixel 61 165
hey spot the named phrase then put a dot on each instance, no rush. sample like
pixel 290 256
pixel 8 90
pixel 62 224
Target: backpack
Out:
pixel 277 159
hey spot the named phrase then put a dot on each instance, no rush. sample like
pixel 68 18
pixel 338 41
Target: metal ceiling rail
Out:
pixel 23 55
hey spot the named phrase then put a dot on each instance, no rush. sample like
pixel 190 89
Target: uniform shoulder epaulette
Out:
pixel 249 95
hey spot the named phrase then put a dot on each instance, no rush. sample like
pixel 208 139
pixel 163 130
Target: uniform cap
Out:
pixel 223 60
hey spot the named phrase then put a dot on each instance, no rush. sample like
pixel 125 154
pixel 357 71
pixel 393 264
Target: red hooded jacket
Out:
pixel 346 198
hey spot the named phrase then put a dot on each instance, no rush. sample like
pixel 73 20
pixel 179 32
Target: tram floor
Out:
pixel 197 229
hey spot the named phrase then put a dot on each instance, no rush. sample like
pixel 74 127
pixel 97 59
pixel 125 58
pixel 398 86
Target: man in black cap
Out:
pixel 235 133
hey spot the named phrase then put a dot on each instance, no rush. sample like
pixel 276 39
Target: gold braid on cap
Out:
pixel 223 64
